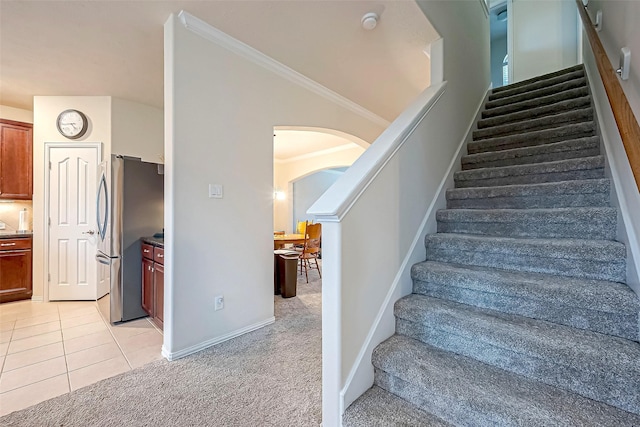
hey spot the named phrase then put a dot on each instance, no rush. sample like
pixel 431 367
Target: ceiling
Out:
pixel 290 145
pixel 115 48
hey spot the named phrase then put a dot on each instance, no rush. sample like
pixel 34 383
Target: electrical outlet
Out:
pixel 219 303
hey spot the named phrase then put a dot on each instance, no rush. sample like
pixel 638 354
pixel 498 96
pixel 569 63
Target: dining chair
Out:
pixel 301 227
pixel 311 249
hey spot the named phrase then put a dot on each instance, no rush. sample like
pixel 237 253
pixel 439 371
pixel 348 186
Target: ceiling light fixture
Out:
pixel 369 21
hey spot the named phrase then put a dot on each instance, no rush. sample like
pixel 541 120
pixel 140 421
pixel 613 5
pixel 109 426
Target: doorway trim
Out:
pixel 47 148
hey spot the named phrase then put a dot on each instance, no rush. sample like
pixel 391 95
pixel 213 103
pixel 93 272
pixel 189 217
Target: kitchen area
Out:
pixel 16 188
pixel 72 281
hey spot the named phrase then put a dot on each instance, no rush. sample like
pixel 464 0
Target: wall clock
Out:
pixel 72 124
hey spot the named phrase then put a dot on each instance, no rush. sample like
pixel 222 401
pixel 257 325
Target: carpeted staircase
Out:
pixel 519 316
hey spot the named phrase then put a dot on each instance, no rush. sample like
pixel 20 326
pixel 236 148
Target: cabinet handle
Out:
pixel 7 244
pixel 160 256
pixel 146 251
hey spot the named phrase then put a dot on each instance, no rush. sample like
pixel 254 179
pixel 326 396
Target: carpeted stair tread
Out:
pixel 538 93
pixel 535 85
pixel 590 259
pixel 470 393
pixel 546 110
pixel 590 192
pixel 594 365
pixel 535 103
pixel 563 150
pixel 379 408
pixel 547 76
pixel 535 123
pixel 561 170
pixel 534 137
pixel 577 223
pixel 601 306
pixel 520 315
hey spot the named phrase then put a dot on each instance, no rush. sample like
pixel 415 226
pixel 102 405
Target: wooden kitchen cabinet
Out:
pixel 16 160
pixel 153 282
pixel 147 286
pixel 15 269
pixel 158 286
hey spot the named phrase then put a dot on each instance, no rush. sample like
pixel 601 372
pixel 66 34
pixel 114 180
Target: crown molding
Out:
pixel 211 33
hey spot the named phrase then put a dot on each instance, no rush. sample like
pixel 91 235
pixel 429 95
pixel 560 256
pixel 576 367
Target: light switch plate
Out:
pixel 215 191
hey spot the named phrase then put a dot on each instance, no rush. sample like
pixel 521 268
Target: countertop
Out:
pixel 155 241
pixel 12 234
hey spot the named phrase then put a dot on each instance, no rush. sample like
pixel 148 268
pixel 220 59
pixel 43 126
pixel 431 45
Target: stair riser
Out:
pixel 548 136
pixel 546 77
pixel 527 160
pixel 533 178
pixel 438 402
pixel 532 202
pixel 534 124
pixel 557 108
pixel 539 84
pixel 614 271
pixel 600 385
pixel 554 195
pixel 542 307
pixel 535 103
pixel 599 229
pixel 551 90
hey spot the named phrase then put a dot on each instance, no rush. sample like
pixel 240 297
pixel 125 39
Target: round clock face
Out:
pixel 72 124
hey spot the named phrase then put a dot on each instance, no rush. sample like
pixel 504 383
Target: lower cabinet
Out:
pixel 147 286
pixel 158 282
pixel 153 283
pixel 15 269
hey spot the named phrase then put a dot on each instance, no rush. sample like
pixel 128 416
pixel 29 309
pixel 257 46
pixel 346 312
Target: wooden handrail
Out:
pixel 622 112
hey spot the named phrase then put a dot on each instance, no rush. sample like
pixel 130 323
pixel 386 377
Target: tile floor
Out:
pixel 48 349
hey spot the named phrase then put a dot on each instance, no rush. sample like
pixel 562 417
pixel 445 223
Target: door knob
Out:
pixel 89 232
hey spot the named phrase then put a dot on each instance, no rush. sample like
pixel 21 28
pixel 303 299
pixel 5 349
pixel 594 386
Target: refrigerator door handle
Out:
pixel 103 259
pixel 102 226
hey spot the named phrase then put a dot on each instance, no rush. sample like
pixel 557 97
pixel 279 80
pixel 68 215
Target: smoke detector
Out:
pixel 369 21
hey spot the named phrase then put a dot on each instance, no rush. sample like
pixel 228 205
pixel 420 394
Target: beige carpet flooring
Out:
pixel 269 377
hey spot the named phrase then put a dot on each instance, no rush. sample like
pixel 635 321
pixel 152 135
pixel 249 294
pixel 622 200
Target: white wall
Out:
pixel 285 173
pixel 220 111
pixel 17 114
pixel 545 37
pixel 137 130
pixel 498 51
pixel 620 28
pixel 45 112
pixel 308 189
pixel 394 188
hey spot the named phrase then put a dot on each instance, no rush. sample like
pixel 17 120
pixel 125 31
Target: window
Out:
pixel 505 70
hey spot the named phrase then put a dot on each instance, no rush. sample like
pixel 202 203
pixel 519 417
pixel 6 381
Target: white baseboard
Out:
pixel 170 356
pixel 38 298
pixel 360 377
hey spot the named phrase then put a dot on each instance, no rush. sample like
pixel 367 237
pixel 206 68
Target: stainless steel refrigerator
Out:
pixel 130 206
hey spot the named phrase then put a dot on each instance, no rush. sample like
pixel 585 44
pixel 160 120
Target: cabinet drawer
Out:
pixel 158 255
pixel 147 251
pixel 13 244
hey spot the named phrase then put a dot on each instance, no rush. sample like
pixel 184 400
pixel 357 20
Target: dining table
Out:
pixel 280 240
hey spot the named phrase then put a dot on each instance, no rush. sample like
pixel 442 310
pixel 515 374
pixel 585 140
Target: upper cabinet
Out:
pixel 16 160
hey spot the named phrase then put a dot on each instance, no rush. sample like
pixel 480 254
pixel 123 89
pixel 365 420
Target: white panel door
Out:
pixel 73 270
